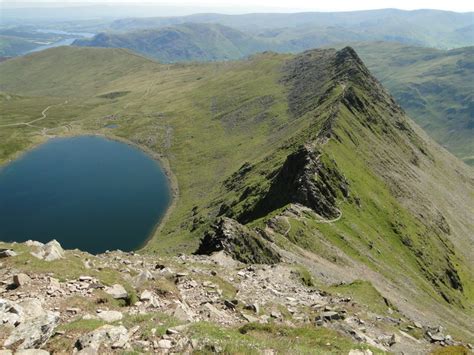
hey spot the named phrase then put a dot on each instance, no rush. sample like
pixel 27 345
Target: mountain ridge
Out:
pixel 432 85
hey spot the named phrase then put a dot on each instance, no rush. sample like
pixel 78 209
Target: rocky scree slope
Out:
pixel 73 302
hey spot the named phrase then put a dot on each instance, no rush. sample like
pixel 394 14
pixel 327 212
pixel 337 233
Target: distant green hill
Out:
pixel 187 42
pixel 12 46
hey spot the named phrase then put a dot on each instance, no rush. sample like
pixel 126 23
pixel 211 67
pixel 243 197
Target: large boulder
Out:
pixel 117 291
pixel 49 252
pixel 33 324
pixel 10 313
pixel 108 336
pixel 110 316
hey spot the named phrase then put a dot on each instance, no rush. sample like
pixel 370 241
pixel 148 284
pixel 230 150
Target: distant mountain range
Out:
pixel 432 28
pixel 186 42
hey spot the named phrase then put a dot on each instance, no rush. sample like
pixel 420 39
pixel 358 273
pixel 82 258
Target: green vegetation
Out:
pixel 12 46
pixel 433 86
pixel 305 276
pixel 187 42
pixel 227 130
pixel 253 338
pixel 364 293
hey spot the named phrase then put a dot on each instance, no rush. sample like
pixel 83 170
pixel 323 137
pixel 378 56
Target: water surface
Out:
pixel 62 42
pixel 87 192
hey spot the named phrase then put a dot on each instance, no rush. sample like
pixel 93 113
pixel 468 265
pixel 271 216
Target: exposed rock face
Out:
pixel 239 241
pixel 306 180
pixel 33 324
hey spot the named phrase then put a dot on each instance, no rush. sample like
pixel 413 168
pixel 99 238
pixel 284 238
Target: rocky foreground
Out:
pixel 73 302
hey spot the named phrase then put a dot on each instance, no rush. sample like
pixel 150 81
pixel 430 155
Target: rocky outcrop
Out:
pixel 304 179
pixel 49 252
pixel 239 241
pixel 31 324
pixel 107 335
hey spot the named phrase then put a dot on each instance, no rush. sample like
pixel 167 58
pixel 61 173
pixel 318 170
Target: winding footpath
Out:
pixel 30 123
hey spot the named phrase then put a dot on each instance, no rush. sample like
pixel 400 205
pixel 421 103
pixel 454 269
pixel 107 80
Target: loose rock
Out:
pixel 117 291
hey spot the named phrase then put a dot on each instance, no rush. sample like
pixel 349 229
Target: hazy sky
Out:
pixel 290 5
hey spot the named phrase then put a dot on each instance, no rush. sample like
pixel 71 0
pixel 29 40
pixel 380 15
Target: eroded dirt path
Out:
pixel 30 123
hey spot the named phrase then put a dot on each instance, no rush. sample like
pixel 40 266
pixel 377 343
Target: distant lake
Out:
pixel 87 192
pixel 63 42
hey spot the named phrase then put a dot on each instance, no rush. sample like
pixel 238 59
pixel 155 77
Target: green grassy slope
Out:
pixel 231 133
pixel 434 86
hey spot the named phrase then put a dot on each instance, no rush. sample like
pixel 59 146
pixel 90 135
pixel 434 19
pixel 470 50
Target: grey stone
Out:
pixel 253 307
pixel 183 313
pixel 142 277
pixel 110 316
pixel 21 279
pixel 165 344
pixel 360 352
pixel 146 296
pixel 436 337
pixel 110 336
pixel 249 318
pixel 35 328
pixel 34 243
pixel 331 315
pixel 32 352
pixel 88 351
pixel 213 312
pixel 49 252
pixel 117 291
pixel 10 313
